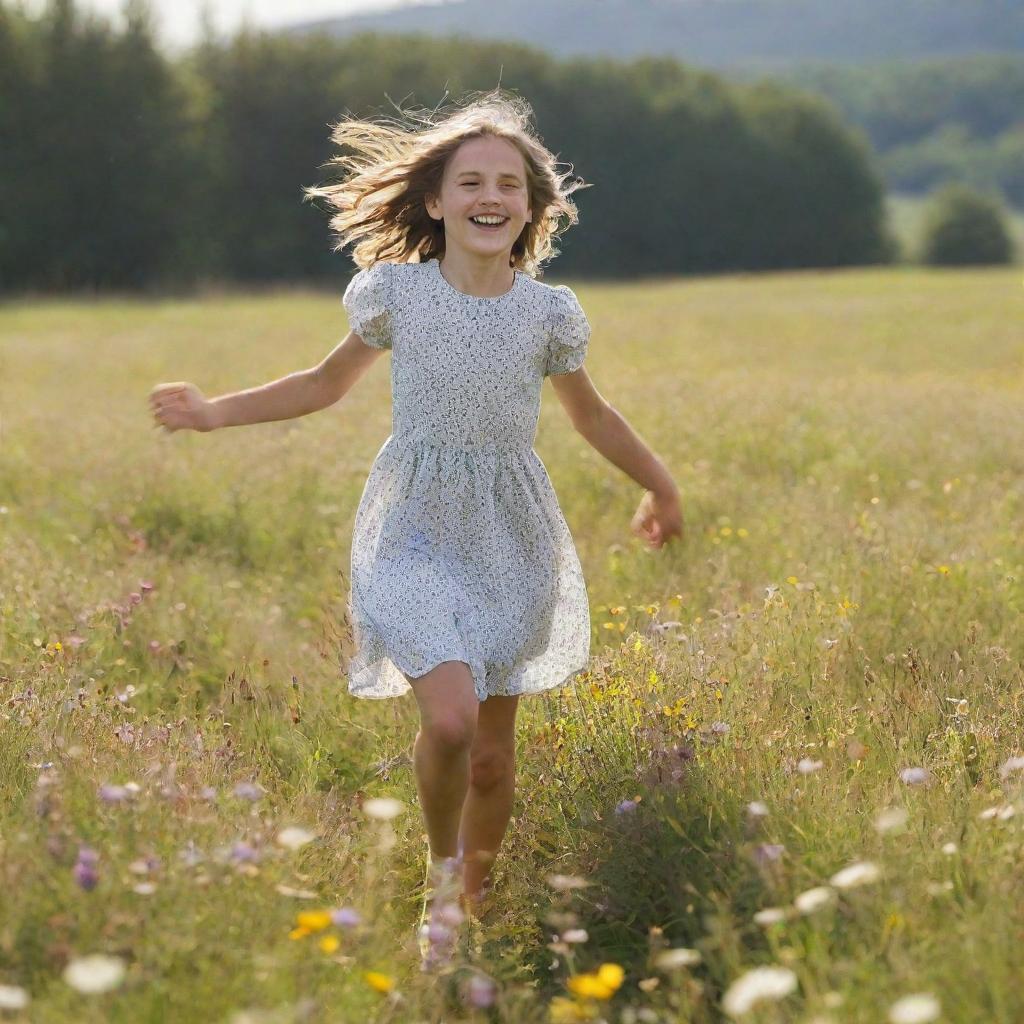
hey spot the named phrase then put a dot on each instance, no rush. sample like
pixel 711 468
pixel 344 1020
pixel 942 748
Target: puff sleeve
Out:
pixel 367 302
pixel 568 332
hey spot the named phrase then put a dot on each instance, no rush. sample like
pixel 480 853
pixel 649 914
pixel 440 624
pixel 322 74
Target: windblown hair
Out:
pixel 380 202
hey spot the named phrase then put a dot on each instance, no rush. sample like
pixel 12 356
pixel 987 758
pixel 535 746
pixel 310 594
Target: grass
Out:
pixel 845 605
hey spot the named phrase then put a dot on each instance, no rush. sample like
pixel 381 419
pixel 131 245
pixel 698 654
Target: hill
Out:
pixel 717 32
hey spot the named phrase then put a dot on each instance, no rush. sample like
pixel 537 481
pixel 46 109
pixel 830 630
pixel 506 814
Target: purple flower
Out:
pixel 84 871
pixel 111 794
pixel 248 791
pixel 480 992
pixel 243 853
pixel 768 853
pixel 626 807
pixel 345 917
pixel 915 776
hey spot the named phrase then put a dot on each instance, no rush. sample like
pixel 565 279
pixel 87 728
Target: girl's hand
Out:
pixel 658 518
pixel 181 406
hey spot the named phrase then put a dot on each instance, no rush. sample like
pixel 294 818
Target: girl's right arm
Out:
pixel 182 406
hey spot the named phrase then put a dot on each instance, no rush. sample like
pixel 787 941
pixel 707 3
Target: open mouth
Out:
pixel 488 223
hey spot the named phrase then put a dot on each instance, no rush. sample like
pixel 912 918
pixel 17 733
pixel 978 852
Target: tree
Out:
pixel 964 226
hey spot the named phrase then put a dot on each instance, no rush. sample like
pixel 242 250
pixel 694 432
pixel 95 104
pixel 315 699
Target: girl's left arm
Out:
pixel 658 518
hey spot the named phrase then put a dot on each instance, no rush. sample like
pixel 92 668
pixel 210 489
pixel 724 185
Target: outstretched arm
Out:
pixel 658 518
pixel 182 406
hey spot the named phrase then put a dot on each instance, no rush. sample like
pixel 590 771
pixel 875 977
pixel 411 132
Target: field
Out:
pixel 824 674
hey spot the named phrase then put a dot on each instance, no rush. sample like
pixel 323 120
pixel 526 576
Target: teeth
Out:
pixel 488 220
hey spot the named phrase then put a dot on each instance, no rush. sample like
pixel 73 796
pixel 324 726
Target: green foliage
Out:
pixel 130 170
pixel 965 227
pixel 934 120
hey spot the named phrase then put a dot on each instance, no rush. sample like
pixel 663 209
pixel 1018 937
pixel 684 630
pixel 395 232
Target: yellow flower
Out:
pixel 379 982
pixel 612 975
pixel 299 933
pixel 944 569
pixel 314 920
pixel 599 985
pixel 792 579
pixel 568 1011
pixel 329 943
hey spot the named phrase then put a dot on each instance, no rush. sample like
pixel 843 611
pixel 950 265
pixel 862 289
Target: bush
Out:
pixel 963 226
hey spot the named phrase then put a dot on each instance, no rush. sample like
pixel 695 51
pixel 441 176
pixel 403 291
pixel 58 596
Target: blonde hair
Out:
pixel 379 205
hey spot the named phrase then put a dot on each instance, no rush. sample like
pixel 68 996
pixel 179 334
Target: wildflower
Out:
pixel 918 1008
pixel 915 776
pixel 480 992
pixel 383 808
pixel 860 873
pixel 379 982
pixel 84 871
pixel 600 984
pixel 806 766
pixel 345 917
pixel 1003 813
pixel 757 809
pixel 111 794
pixel 95 973
pixel 566 882
pixel 294 838
pixel 248 791
pixel 626 807
pixel 568 1011
pixel 314 920
pixel 1011 765
pixel 243 853
pixel 673 959
pixel 768 853
pixel 12 997
pixel 762 984
pixel 891 819
pixel 814 899
pixel 575 935
pixel 770 916
pixel 329 943
pixel 949 849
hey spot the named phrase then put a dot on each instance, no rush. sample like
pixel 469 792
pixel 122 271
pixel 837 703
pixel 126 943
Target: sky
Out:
pixel 178 20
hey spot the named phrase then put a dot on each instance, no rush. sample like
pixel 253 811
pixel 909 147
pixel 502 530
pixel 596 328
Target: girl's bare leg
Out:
pixel 488 803
pixel 441 754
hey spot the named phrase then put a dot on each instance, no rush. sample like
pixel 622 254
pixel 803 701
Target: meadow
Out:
pixel 787 789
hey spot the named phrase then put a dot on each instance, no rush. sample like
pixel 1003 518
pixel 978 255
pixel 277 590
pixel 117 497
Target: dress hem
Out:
pixel 482 695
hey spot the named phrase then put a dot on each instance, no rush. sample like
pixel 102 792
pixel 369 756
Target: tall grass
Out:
pixel 844 607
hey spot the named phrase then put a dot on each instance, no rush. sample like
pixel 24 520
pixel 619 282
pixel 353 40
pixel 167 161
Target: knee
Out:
pixel 491 767
pixel 452 732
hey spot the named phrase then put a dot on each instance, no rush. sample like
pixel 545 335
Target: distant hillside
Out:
pixel 718 33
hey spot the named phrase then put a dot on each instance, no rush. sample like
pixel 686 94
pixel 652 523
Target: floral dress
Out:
pixel 459 548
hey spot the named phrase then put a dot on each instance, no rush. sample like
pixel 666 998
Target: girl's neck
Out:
pixel 486 278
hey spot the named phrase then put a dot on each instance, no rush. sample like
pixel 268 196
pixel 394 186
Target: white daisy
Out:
pixel 760 985
pixel 294 838
pixel 918 1008
pixel 861 873
pixel 95 973
pixel 673 959
pixel 814 899
pixel 383 808
pixel 13 997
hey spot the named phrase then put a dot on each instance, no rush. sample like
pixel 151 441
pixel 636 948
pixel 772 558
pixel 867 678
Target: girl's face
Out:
pixel 485 176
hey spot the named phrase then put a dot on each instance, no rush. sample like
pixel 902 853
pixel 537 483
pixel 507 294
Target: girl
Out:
pixel 465 583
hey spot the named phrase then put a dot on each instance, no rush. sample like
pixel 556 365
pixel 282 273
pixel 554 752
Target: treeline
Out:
pixel 123 169
pixel 935 121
